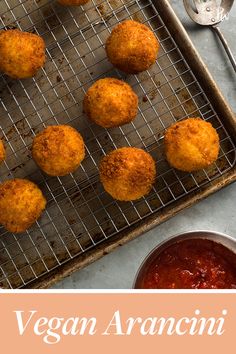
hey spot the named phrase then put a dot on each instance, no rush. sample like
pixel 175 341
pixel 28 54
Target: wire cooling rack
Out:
pixel 79 214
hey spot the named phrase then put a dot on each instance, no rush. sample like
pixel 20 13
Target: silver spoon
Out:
pixel 211 13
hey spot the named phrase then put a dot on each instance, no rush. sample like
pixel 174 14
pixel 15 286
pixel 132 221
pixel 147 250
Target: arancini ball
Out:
pixel 21 204
pixel 58 150
pixel 22 54
pixel 127 173
pixel 191 144
pixel 132 47
pixel 72 2
pixel 2 152
pixel 110 103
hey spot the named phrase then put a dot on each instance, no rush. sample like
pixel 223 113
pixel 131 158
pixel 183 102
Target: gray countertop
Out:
pixel 218 212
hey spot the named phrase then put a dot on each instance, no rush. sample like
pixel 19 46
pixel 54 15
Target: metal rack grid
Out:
pixel 79 214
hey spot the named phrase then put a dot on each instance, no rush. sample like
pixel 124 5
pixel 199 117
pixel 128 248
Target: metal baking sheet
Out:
pixel 82 222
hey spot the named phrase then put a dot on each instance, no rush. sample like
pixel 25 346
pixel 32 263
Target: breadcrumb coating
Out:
pixel 191 145
pixel 22 54
pixel 132 47
pixel 111 103
pixel 58 150
pixel 127 173
pixel 21 204
pixel 2 152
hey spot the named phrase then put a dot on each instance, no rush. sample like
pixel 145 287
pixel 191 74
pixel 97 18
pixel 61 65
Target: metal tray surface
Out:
pixel 82 222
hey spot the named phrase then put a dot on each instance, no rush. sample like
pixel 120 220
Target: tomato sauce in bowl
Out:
pixel 189 264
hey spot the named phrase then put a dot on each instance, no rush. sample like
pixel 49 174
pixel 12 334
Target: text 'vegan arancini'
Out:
pixel 127 173
pixel 58 150
pixel 22 54
pixel 132 47
pixel 110 103
pixel 191 144
pixel 21 204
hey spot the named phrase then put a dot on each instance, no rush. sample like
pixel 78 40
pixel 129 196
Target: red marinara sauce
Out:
pixel 191 264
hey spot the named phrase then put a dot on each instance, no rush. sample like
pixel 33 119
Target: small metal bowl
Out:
pixel 227 241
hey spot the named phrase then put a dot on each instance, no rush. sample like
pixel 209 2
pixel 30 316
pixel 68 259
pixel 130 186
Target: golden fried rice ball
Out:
pixel 21 204
pixel 22 54
pixel 2 152
pixel 72 2
pixel 58 150
pixel 132 47
pixel 127 173
pixel 191 145
pixel 111 103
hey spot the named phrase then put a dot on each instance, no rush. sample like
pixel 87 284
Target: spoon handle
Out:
pixel 226 46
